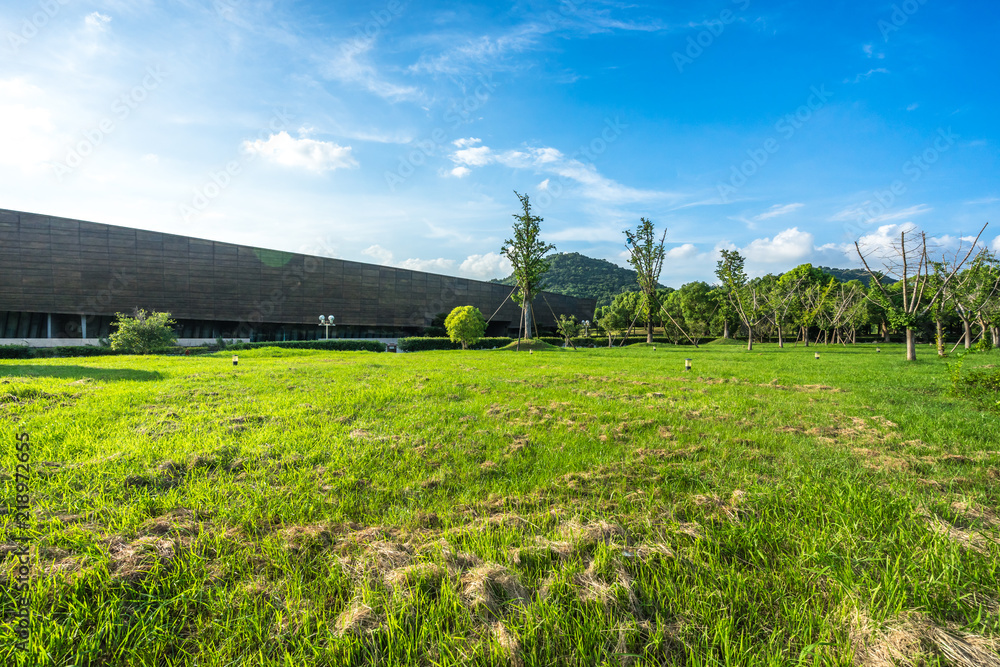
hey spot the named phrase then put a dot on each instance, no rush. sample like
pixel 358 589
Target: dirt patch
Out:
pixel 132 561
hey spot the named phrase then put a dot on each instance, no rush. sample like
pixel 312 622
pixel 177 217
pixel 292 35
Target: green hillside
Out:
pixel 574 274
pixel 844 275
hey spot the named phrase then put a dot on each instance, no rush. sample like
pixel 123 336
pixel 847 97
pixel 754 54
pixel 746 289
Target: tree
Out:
pixel 744 297
pixel 568 328
pixel 646 257
pixel 143 332
pixel 611 319
pixel 526 253
pixel 912 255
pixel 698 305
pixel 465 325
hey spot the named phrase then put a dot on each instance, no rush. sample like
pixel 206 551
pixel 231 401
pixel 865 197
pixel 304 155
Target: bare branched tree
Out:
pixel 911 263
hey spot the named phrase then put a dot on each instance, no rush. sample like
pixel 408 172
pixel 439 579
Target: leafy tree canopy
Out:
pixel 143 332
pixel 465 325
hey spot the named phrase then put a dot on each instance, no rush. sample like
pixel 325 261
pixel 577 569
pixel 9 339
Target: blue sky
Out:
pixel 396 132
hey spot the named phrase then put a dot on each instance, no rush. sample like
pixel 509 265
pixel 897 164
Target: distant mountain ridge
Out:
pixel 577 275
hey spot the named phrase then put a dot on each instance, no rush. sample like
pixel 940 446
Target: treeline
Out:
pixel 810 305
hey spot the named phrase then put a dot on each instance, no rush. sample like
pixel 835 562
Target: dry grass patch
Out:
pixel 910 640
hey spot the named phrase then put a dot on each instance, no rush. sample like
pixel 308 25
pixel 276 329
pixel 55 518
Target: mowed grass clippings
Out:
pixel 496 508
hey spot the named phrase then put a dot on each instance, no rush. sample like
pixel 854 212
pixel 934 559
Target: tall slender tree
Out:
pixel 526 253
pixel 646 257
pixel 744 297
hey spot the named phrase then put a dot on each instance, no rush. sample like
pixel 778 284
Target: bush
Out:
pixel 15 352
pixel 143 332
pixel 425 344
pixel 338 344
pixel 979 383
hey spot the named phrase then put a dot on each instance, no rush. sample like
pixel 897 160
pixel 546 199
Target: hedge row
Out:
pixel 430 343
pixel 339 344
pixel 26 352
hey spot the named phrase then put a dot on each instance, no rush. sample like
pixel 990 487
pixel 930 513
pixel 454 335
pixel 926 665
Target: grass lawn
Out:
pixel 499 508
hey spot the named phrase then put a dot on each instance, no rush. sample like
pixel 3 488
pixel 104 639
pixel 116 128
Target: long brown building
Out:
pixel 64 278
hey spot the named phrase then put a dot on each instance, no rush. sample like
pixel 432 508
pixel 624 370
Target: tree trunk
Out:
pixel 781 343
pixel 725 328
pixel 967 335
pixel 911 345
pixel 939 337
pixel 996 336
pixel 805 335
pixel 749 338
pixel 649 331
pixel 885 332
pixel 609 339
pixel 527 317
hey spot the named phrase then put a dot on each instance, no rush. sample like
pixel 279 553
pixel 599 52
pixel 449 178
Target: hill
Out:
pixel 844 275
pixel 577 275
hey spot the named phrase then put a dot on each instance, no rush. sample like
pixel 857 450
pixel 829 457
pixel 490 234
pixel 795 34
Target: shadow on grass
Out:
pixel 77 373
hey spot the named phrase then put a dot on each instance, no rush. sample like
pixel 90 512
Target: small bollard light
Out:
pixel 817 355
pixel 236 359
pixel 878 349
pixel 687 364
pixel 531 351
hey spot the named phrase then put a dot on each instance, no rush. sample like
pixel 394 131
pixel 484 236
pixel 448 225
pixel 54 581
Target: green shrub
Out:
pixel 338 344
pixel 420 344
pixel 15 352
pixel 143 332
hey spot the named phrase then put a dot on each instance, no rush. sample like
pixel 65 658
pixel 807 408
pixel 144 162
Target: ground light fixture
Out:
pixel 817 355
pixel 586 327
pixel 326 321
pixel 236 359
pixel 878 349
pixel 687 364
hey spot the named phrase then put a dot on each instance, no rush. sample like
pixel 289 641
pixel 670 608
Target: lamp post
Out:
pixel 326 322
pixel 586 328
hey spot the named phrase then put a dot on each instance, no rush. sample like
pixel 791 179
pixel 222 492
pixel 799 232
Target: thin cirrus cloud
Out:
pixel 305 153
pixel 588 181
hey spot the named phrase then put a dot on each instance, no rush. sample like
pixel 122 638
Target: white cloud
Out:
pixel 996 244
pixel 984 200
pixel 913 107
pixel 776 210
pixel 881 242
pixel 682 251
pixel 465 143
pixel 97 21
pixel 26 127
pixel 544 185
pixel 788 246
pixel 485 267
pixel 460 172
pixel 546 159
pixel 379 254
pixel 474 156
pixel 430 265
pixel 151 158
pixel 309 154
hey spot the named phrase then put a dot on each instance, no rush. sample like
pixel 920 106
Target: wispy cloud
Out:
pixel 776 210
pixel 861 211
pixel 351 64
pixel 545 159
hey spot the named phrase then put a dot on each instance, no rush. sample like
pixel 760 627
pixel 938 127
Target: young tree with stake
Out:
pixel 526 253
pixel 646 257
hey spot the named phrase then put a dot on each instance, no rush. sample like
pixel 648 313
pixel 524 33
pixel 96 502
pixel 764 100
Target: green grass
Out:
pixel 565 507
